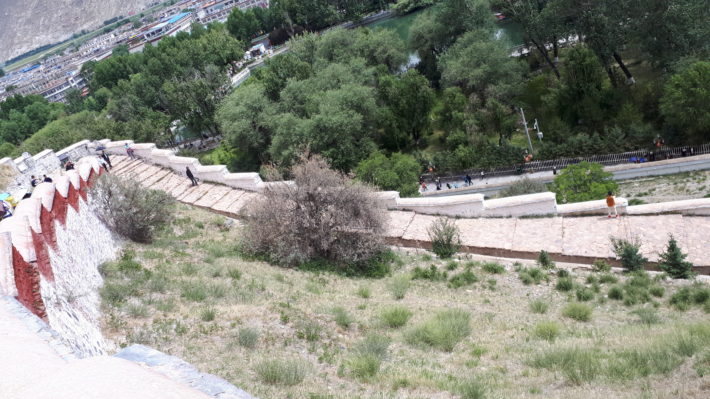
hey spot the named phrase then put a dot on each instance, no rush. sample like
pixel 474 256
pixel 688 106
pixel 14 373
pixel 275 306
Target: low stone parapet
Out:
pixel 596 207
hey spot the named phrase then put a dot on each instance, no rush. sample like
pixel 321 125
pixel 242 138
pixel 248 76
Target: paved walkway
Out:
pixel 576 239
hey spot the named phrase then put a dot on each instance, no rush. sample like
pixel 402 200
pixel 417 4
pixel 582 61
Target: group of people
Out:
pixel 467 181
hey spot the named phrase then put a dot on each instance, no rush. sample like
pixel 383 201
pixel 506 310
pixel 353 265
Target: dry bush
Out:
pixel 323 217
pixel 130 210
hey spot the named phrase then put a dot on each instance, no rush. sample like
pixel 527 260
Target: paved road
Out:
pixel 491 186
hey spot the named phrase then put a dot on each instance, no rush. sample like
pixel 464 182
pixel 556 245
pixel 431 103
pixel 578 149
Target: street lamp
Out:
pixel 539 132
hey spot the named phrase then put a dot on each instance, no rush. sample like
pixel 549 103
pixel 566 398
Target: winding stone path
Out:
pixel 574 239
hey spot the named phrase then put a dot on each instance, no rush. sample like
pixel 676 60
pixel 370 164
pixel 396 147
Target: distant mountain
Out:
pixel 28 24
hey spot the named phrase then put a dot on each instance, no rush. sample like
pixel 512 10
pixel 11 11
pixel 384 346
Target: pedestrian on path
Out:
pixel 106 158
pixel 611 205
pixel 189 174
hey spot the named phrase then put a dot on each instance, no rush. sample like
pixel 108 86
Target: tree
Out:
pixel 481 64
pixel 583 182
pixel 673 261
pixel 628 252
pixel 2 72
pixel 242 25
pixel 398 172
pixel 685 100
pixel 409 100
pixel 580 99
pixel 323 217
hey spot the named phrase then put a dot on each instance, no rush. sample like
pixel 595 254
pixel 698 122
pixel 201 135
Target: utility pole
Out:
pixel 527 133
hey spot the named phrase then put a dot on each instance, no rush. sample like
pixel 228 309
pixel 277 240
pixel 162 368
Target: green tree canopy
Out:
pixel 398 172
pixel 686 101
pixel 584 181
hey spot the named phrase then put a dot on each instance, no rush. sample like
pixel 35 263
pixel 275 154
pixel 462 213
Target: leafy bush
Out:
pixel 522 187
pixel 399 285
pixel 281 372
pixel 584 294
pixel 130 210
pixel 323 217
pixel 538 306
pixel 247 337
pixel 583 182
pixel 363 292
pixel 395 316
pixel 544 260
pixel 398 172
pixel 208 314
pixel 628 252
pixel 608 278
pixel 685 297
pixel 657 291
pixel 615 292
pixel 466 277
pixel 432 273
pixel 547 330
pixel 564 284
pixel 443 331
pixel 563 273
pixel 368 355
pixel 444 237
pixel 673 261
pixel 600 265
pixel 577 311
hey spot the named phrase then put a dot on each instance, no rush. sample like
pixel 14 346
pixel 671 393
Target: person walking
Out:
pixel 468 179
pixel 34 181
pixel 611 205
pixel 47 179
pixel 189 174
pixel 106 158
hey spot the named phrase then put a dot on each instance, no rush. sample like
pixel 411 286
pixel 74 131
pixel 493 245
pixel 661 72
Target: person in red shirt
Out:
pixel 611 205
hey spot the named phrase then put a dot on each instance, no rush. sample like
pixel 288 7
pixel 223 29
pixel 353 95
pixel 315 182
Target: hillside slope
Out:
pixel 28 24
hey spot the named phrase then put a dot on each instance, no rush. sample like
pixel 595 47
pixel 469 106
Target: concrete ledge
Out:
pixel 522 205
pixel 597 207
pixel 700 206
pixel 469 205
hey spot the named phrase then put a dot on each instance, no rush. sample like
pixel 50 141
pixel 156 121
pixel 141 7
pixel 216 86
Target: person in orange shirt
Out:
pixel 611 205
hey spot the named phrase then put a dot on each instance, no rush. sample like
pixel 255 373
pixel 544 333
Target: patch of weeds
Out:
pixel 547 330
pixel 608 278
pixel 395 316
pixel 248 337
pixel 208 314
pixel 188 269
pixel 493 268
pixel 577 311
pixel 615 292
pixel 539 306
pixel 193 291
pixel 685 297
pixel 564 284
pixel 544 260
pixel 363 292
pixel 657 291
pixel 444 237
pixel 426 257
pixel 601 266
pixel 466 277
pixel 431 273
pixel 647 316
pixel 532 275
pixel 399 285
pixel 576 364
pixel 152 254
pixel 702 364
pixel 563 273
pixel 281 371
pixel 472 388
pixel 584 294
pixel 342 317
pixel 137 310
pixel 492 283
pixel 591 279
pixel 234 274
pixel 166 305
pixel 443 331
pixel 452 265
pixel 310 330
pixel 314 288
pixel 368 355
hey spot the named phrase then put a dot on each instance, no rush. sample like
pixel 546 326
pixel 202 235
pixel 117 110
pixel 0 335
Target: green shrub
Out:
pixel 247 337
pixel 342 317
pixel 493 268
pixel 431 273
pixel 368 356
pixel 544 260
pixel 194 291
pixel 208 314
pixel 673 261
pixel 577 311
pixel 452 265
pixel 363 292
pixel 563 273
pixel 602 266
pixel 696 294
pixel 281 372
pixel 443 331
pixel 576 364
pixel 628 253
pixel 564 284
pixel 538 306
pixel 615 292
pixel 395 316
pixel 657 291
pixel 532 275
pixel 584 294
pixel 137 310
pixel 234 274
pixel 583 181
pixel 399 285
pixel 647 316
pixel 592 279
pixel 547 330
pixel 445 238
pixel 310 330
pixel 608 278
pixel 466 277
pixel 472 388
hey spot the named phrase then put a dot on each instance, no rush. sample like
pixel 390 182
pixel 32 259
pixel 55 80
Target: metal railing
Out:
pixel 638 156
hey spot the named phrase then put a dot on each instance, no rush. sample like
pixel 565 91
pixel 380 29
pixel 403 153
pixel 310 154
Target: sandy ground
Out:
pixel 677 187
pixel 277 302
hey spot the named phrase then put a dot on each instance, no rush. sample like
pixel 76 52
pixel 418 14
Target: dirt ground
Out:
pixel 200 293
pixel 676 187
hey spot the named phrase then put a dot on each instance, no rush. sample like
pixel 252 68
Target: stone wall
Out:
pixel 50 250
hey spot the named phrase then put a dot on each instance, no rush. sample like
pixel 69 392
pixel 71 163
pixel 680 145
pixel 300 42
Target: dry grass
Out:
pixel 270 321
